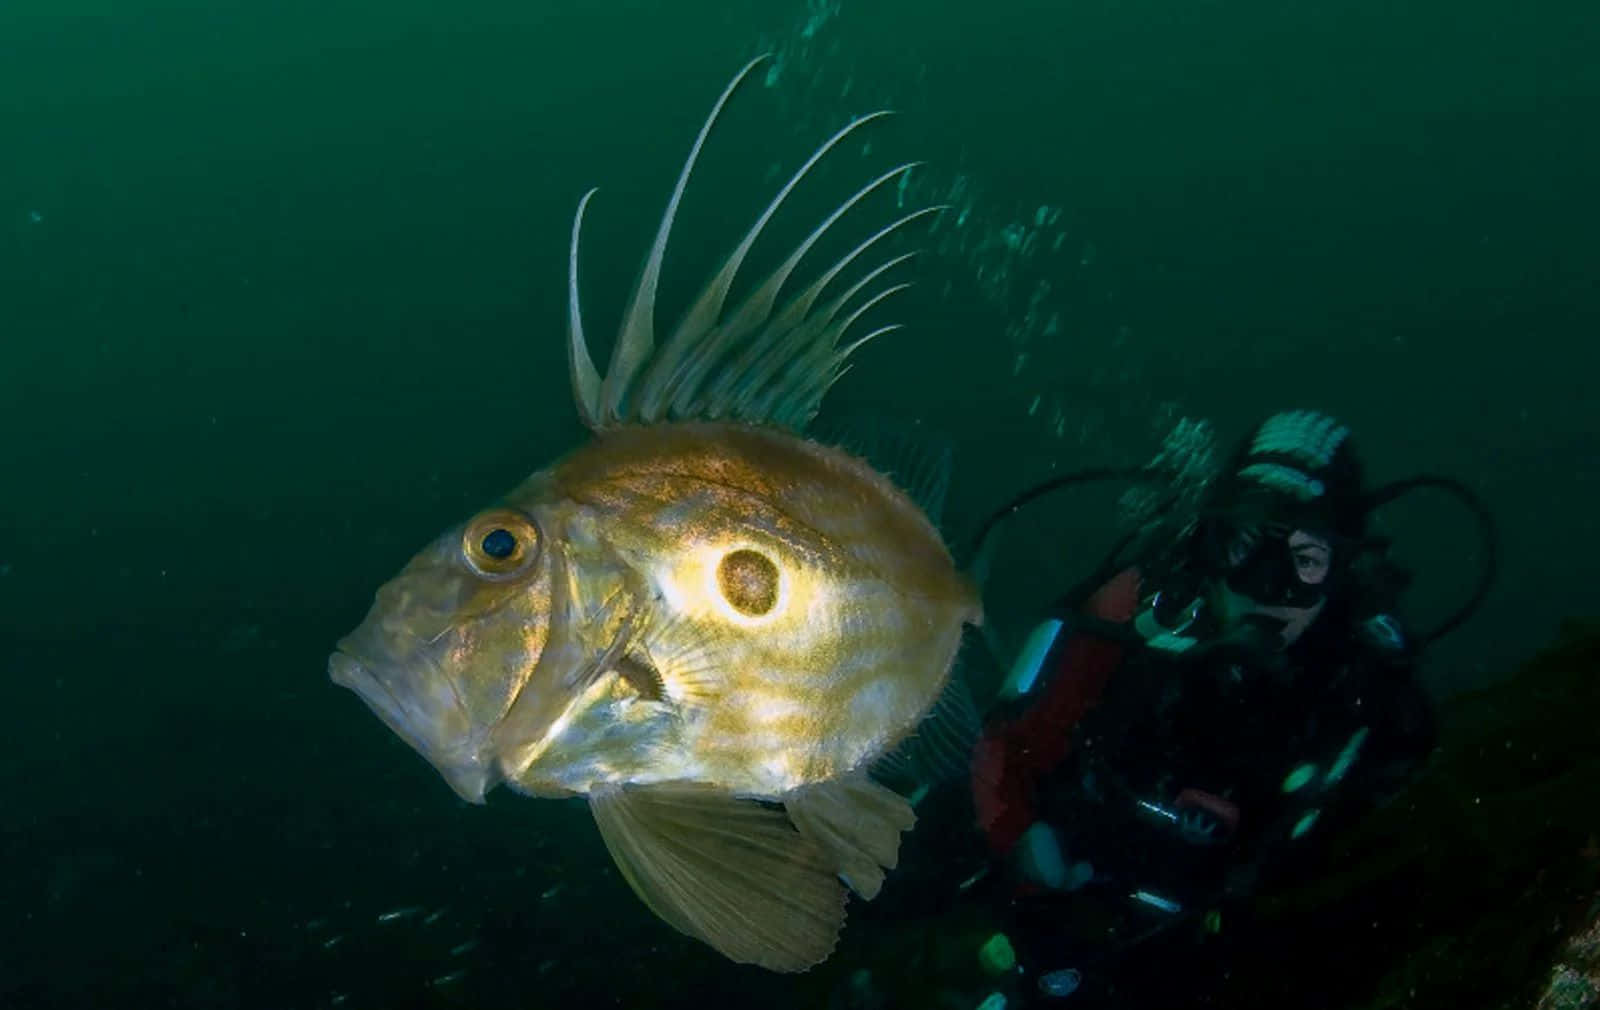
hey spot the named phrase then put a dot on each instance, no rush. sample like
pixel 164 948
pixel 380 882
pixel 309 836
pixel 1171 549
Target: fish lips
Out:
pixel 422 719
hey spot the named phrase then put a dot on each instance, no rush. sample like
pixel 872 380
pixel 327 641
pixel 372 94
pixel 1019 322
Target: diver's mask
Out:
pixel 1279 564
pixel 1276 553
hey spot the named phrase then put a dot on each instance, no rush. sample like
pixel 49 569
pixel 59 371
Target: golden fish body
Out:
pixel 704 601
pixel 796 612
pixel 697 610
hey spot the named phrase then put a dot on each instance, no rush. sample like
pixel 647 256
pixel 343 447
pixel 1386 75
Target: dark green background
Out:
pixel 294 301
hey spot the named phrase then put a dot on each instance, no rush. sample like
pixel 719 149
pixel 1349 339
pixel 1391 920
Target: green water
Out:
pixel 282 293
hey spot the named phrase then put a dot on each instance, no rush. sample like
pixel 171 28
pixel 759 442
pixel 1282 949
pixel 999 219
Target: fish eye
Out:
pixel 500 543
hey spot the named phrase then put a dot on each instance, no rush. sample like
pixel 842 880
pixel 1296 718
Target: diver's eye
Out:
pixel 500 543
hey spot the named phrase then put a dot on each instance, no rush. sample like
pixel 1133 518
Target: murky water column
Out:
pixel 1023 258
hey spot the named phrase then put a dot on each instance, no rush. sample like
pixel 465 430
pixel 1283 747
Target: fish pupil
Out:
pixel 749 582
pixel 499 544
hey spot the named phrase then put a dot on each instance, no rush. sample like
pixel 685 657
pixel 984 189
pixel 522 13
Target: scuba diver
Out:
pixel 1188 723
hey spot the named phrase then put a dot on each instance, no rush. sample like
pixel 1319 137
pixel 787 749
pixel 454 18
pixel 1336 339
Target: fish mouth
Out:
pixel 426 728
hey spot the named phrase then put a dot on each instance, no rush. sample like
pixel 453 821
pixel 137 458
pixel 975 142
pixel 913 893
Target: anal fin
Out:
pixel 857 824
pixel 730 872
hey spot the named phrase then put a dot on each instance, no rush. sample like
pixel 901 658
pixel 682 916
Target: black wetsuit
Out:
pixel 1293 743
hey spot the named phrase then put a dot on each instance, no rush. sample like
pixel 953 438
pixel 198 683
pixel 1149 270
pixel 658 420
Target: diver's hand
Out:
pixel 1041 860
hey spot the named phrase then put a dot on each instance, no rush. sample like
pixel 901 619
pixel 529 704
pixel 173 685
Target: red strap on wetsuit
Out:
pixel 1011 756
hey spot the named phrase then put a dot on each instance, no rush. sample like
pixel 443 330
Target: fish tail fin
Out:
pixel 758 362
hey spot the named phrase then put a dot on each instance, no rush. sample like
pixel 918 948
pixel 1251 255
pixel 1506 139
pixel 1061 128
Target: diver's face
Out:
pixel 1311 558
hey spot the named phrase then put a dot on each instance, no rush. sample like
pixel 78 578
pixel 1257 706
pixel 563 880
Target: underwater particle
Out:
pixel 1033 408
pixel 447 979
pixel 35 217
pixel 338 999
pixel 433 917
pixel 464 948
pixel 966 885
pixel 5 569
pixel 241 638
pixel 399 913
pixel 551 892
pixel 819 17
pixel 1188 455
pixel 993 1001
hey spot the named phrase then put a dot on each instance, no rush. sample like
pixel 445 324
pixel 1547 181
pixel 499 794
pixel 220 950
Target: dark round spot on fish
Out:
pixel 749 582
pixel 499 543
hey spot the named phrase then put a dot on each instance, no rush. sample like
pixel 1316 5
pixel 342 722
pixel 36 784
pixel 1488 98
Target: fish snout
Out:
pixel 406 689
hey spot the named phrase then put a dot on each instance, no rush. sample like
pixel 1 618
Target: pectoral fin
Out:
pixel 729 872
pixel 857 824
